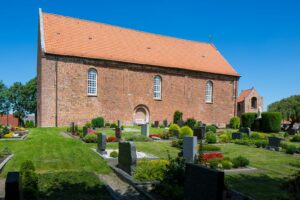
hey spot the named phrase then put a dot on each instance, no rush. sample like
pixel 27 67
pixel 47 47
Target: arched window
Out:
pixel 254 102
pixel 209 92
pixel 92 82
pixel 157 87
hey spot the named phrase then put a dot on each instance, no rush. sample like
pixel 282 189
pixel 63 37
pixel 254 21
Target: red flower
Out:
pixel 154 135
pixel 111 139
pixel 91 131
pixel 209 156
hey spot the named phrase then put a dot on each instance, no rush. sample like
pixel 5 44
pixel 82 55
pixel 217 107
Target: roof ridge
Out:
pixel 131 29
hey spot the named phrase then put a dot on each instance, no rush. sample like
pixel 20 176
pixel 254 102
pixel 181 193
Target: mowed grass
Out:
pixel 50 151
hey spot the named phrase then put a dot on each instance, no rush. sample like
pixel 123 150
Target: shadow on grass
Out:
pixel 258 186
pixel 71 185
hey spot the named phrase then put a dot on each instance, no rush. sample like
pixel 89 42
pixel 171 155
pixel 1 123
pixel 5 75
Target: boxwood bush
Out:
pixel 240 161
pixel 98 122
pixel 235 122
pixel 174 127
pixel 247 119
pixel 191 122
pixel 211 128
pixel 211 138
pixel 185 131
pixel 90 138
pixel 271 121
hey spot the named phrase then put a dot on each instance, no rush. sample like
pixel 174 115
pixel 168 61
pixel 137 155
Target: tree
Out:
pixel 17 99
pixel 289 108
pixel 4 100
pixel 30 92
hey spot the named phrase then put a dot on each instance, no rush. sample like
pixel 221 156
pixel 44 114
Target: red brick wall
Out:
pixel 122 87
pixel 10 119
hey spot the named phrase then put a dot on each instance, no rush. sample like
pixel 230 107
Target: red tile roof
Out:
pixel 243 95
pixel 81 38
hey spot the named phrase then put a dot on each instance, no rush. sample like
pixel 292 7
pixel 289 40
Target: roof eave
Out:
pixel 42 36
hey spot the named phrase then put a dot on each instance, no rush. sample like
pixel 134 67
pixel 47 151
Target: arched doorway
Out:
pixel 141 115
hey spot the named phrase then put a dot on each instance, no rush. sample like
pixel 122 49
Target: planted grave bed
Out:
pixel 13 133
pixel 5 156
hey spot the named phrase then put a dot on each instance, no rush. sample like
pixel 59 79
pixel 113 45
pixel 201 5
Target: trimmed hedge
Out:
pixel 98 122
pixel 185 131
pixel 248 119
pixel 271 122
pixel 235 122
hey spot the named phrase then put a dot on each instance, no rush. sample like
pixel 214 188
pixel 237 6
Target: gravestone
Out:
pixel 13 186
pixel 118 133
pixel 274 142
pixel 119 124
pixel 203 183
pixel 156 124
pixel 237 136
pixel 145 130
pixel 101 143
pixel 200 132
pixel 72 126
pixel 245 130
pixel 165 123
pixel 175 133
pixel 292 131
pixel 180 123
pixel 127 158
pixel 84 131
pixel 189 148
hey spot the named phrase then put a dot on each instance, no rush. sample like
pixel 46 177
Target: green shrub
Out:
pixel 240 161
pixel 29 124
pixel 235 122
pixel 191 122
pixel 214 162
pixel 5 130
pixel 177 116
pixel 296 138
pixel 114 154
pixel 161 126
pixel 90 138
pixel 224 137
pixel 208 147
pixel 107 124
pixel 211 128
pixel 226 164
pixel 211 138
pixel 113 125
pixel 177 143
pixel 98 122
pixel 284 145
pixel 248 119
pixel 165 135
pixel 138 138
pixel 291 149
pixel 185 131
pixel 174 127
pixel 257 136
pixel 271 121
pixel 150 170
pixel 27 165
pixel 261 143
pixel 88 125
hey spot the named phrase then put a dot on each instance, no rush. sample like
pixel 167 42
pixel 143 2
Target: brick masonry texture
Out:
pixel 62 88
pixel 245 106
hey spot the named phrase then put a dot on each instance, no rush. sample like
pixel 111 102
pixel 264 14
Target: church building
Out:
pixel 88 69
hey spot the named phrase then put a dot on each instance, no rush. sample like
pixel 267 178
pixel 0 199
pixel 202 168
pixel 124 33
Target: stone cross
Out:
pixel 189 148
pixel 145 130
pixel 101 142
pixel 127 158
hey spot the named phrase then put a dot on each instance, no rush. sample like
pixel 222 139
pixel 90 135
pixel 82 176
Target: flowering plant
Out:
pixel 154 135
pixel 111 139
pixel 209 156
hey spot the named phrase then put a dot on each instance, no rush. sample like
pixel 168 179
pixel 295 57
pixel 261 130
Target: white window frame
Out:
pixel 92 82
pixel 209 91
pixel 157 87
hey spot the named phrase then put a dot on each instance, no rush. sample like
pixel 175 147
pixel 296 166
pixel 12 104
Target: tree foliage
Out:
pixel 289 108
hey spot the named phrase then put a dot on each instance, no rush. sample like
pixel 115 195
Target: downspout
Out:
pixel 56 100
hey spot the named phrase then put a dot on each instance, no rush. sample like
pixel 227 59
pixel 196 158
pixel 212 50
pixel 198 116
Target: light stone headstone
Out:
pixel 145 130
pixel 189 148
pixel 245 130
pixel 101 142
pixel 127 159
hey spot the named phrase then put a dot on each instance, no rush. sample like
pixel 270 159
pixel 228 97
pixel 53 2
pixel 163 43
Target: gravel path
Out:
pixel 120 189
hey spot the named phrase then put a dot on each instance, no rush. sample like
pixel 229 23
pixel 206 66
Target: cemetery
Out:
pixel 13 133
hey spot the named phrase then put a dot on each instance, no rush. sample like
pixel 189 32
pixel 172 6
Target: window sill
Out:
pixel 92 95
pixel 157 99
pixel 209 102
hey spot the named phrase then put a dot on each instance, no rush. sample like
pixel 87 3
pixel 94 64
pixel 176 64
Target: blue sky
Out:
pixel 260 39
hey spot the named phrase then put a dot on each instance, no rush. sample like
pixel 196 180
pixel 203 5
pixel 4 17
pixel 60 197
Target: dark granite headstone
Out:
pixel 118 133
pixel 145 130
pixel 84 131
pixel 127 158
pixel 203 183
pixel 156 124
pixel 13 186
pixel 72 127
pixel 245 130
pixel 180 123
pixel 175 133
pixel 101 142
pixel 274 142
pixel 292 131
pixel 237 136
pixel 200 132
pixel 189 148
pixel 165 123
